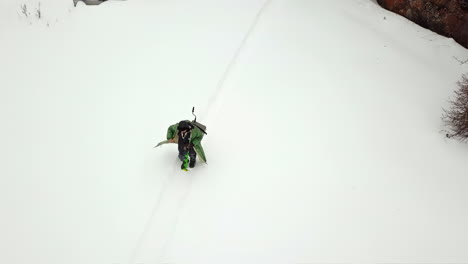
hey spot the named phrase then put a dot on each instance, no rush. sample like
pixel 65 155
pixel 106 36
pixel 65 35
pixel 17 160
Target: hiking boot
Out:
pixel 192 163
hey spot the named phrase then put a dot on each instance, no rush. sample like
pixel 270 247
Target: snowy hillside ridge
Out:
pixel 45 12
pixel 324 139
pixel 34 11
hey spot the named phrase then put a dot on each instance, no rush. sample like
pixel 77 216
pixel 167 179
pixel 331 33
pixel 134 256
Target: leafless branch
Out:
pixel 38 11
pixel 460 61
pixel 24 10
pixel 456 118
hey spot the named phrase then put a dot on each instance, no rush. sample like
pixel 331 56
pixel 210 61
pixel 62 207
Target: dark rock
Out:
pixel 90 2
pixel 446 17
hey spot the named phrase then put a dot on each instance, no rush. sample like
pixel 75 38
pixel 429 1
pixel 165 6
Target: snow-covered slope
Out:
pixel 323 142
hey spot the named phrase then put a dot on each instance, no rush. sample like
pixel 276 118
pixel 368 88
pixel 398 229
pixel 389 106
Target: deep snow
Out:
pixel 324 140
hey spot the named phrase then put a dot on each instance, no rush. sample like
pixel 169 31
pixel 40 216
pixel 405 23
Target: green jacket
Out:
pixel 195 138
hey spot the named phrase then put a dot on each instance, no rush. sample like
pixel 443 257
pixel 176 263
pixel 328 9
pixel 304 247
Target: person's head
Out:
pixel 184 126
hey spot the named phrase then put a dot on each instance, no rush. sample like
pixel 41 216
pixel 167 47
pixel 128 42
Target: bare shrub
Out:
pixel 38 11
pixel 24 10
pixel 456 117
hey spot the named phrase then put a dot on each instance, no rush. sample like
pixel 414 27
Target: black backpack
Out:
pixel 200 126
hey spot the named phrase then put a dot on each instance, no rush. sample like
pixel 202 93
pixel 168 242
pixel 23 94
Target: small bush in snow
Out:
pixel 456 117
pixel 24 10
pixel 38 11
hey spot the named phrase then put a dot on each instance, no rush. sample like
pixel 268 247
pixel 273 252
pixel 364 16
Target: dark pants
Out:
pixel 191 152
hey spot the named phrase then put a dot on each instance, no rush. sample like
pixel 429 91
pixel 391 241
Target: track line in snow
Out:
pixel 165 215
pixel 163 223
pixel 146 229
pixel 222 80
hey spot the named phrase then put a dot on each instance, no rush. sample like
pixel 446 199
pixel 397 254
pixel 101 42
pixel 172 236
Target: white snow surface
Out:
pixel 324 145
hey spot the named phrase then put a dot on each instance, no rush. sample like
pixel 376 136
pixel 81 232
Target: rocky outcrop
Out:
pixel 89 2
pixel 446 17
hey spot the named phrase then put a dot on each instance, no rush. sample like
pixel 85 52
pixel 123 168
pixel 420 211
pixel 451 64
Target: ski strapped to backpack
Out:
pixel 195 123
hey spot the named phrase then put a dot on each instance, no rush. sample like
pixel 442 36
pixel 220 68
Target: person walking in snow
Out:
pixel 188 138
